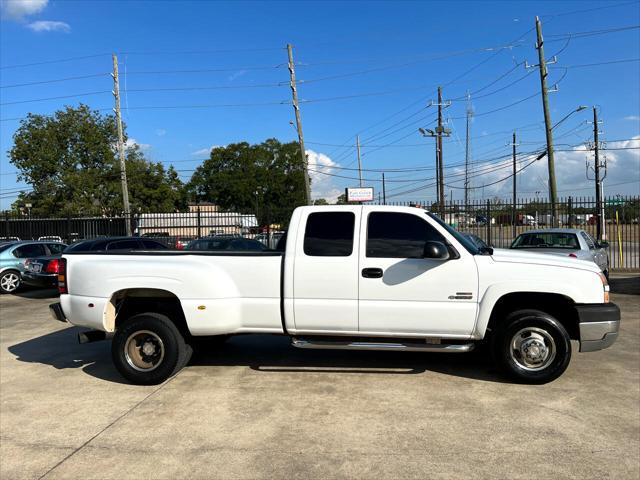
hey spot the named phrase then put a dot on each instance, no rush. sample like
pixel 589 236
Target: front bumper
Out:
pixel 55 309
pixel 599 325
pixel 43 280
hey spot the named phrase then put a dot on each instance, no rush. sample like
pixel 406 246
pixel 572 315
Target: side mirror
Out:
pixel 603 244
pixel 436 251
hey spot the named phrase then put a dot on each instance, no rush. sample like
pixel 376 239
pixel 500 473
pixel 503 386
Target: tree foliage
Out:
pixel 266 179
pixel 70 161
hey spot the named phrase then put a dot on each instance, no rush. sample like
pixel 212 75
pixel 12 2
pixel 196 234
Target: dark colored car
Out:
pixel 217 244
pixel 43 271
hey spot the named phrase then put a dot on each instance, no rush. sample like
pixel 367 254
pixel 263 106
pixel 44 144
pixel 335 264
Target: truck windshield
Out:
pixel 464 241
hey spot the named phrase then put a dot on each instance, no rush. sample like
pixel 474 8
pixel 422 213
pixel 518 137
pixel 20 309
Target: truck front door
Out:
pixel 400 292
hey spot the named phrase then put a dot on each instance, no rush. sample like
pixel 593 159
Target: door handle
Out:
pixel 372 272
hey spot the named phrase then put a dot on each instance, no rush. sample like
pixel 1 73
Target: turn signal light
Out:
pixel 62 276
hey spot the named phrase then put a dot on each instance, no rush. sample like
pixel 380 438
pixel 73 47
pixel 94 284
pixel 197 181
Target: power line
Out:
pixel 627 60
pixel 85 94
pixel 46 62
pixel 80 77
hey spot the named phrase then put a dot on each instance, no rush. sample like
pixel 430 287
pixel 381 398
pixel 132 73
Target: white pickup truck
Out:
pixel 348 277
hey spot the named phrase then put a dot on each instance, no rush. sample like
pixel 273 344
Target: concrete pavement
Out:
pixel 258 408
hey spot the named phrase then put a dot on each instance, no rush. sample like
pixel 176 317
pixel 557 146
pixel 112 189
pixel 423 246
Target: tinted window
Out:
pixel 255 246
pixel 208 244
pixel 124 245
pixel 26 251
pixel 237 245
pixel 547 240
pixel 329 234
pixel 56 248
pixel 398 235
pixel 151 245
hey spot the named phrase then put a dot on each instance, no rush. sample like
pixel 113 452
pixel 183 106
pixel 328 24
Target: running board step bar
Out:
pixel 404 347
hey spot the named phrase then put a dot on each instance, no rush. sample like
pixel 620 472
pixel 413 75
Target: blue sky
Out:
pixel 365 67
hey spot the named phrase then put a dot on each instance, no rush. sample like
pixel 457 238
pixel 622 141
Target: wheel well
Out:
pixel 562 308
pixel 126 303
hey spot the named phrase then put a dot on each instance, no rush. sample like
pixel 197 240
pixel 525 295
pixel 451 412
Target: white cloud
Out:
pixel 132 142
pixel 322 185
pixel 18 9
pixel 633 118
pixel 161 132
pixel 204 151
pixel 49 26
pixel 622 174
pixel 235 75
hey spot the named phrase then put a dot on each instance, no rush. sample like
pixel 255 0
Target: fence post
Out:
pixel 69 229
pixel 198 220
pixel 6 224
pixel 489 222
pixel 570 211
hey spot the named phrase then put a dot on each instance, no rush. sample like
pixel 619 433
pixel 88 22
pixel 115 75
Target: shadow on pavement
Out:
pixel 274 354
pixel 261 353
pixel 625 285
pixel 27 292
pixel 61 350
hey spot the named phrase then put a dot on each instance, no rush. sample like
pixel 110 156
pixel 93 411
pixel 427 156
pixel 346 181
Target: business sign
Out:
pixel 362 194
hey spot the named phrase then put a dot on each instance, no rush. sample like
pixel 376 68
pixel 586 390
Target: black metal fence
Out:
pixel 496 221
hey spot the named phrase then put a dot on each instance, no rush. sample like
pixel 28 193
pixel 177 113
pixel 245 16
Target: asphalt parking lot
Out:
pixel 258 408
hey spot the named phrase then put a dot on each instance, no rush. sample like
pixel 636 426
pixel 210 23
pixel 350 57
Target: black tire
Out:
pixel 547 345
pixel 168 353
pixel 10 281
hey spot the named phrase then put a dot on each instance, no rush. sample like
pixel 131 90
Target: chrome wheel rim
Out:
pixel 144 350
pixel 10 282
pixel 532 349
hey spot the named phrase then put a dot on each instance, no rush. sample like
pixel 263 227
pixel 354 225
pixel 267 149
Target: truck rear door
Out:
pixel 325 274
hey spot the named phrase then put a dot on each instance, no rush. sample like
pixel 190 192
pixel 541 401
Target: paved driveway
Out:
pixel 258 408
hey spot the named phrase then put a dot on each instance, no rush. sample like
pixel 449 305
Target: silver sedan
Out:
pixel 571 242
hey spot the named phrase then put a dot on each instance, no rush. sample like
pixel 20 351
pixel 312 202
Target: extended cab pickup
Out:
pixel 350 277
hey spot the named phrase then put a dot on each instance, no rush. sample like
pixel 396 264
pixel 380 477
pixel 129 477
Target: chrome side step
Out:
pixel 405 347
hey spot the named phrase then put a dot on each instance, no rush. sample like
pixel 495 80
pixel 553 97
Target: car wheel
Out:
pixel 148 349
pixel 532 347
pixel 10 281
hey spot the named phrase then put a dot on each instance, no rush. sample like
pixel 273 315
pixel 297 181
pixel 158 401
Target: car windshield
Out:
pixel 568 241
pixel 464 241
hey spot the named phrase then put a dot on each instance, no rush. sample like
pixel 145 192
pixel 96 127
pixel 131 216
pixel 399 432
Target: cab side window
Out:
pixel 398 235
pixel 329 234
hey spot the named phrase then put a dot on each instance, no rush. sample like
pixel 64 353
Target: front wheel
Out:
pixel 532 347
pixel 147 349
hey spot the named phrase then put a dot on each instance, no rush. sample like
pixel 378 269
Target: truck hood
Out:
pixel 519 256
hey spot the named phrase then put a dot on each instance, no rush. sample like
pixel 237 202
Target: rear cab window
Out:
pixel 329 234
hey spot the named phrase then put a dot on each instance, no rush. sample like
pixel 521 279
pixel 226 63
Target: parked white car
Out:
pixel 350 277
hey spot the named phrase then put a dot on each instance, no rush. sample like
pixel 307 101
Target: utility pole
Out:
pixel 123 166
pixel 296 109
pixel 548 126
pixel 598 181
pixel 384 190
pixel 513 207
pixel 467 154
pixel 440 132
pixel 359 162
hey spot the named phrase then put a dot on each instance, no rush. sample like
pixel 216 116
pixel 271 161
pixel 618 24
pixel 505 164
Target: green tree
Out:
pixel 69 160
pixel 320 201
pixel 266 179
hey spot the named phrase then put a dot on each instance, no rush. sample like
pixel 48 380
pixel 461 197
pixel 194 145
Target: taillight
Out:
pixel 179 246
pixel 62 275
pixel 53 266
pixel 573 255
pixel 27 262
